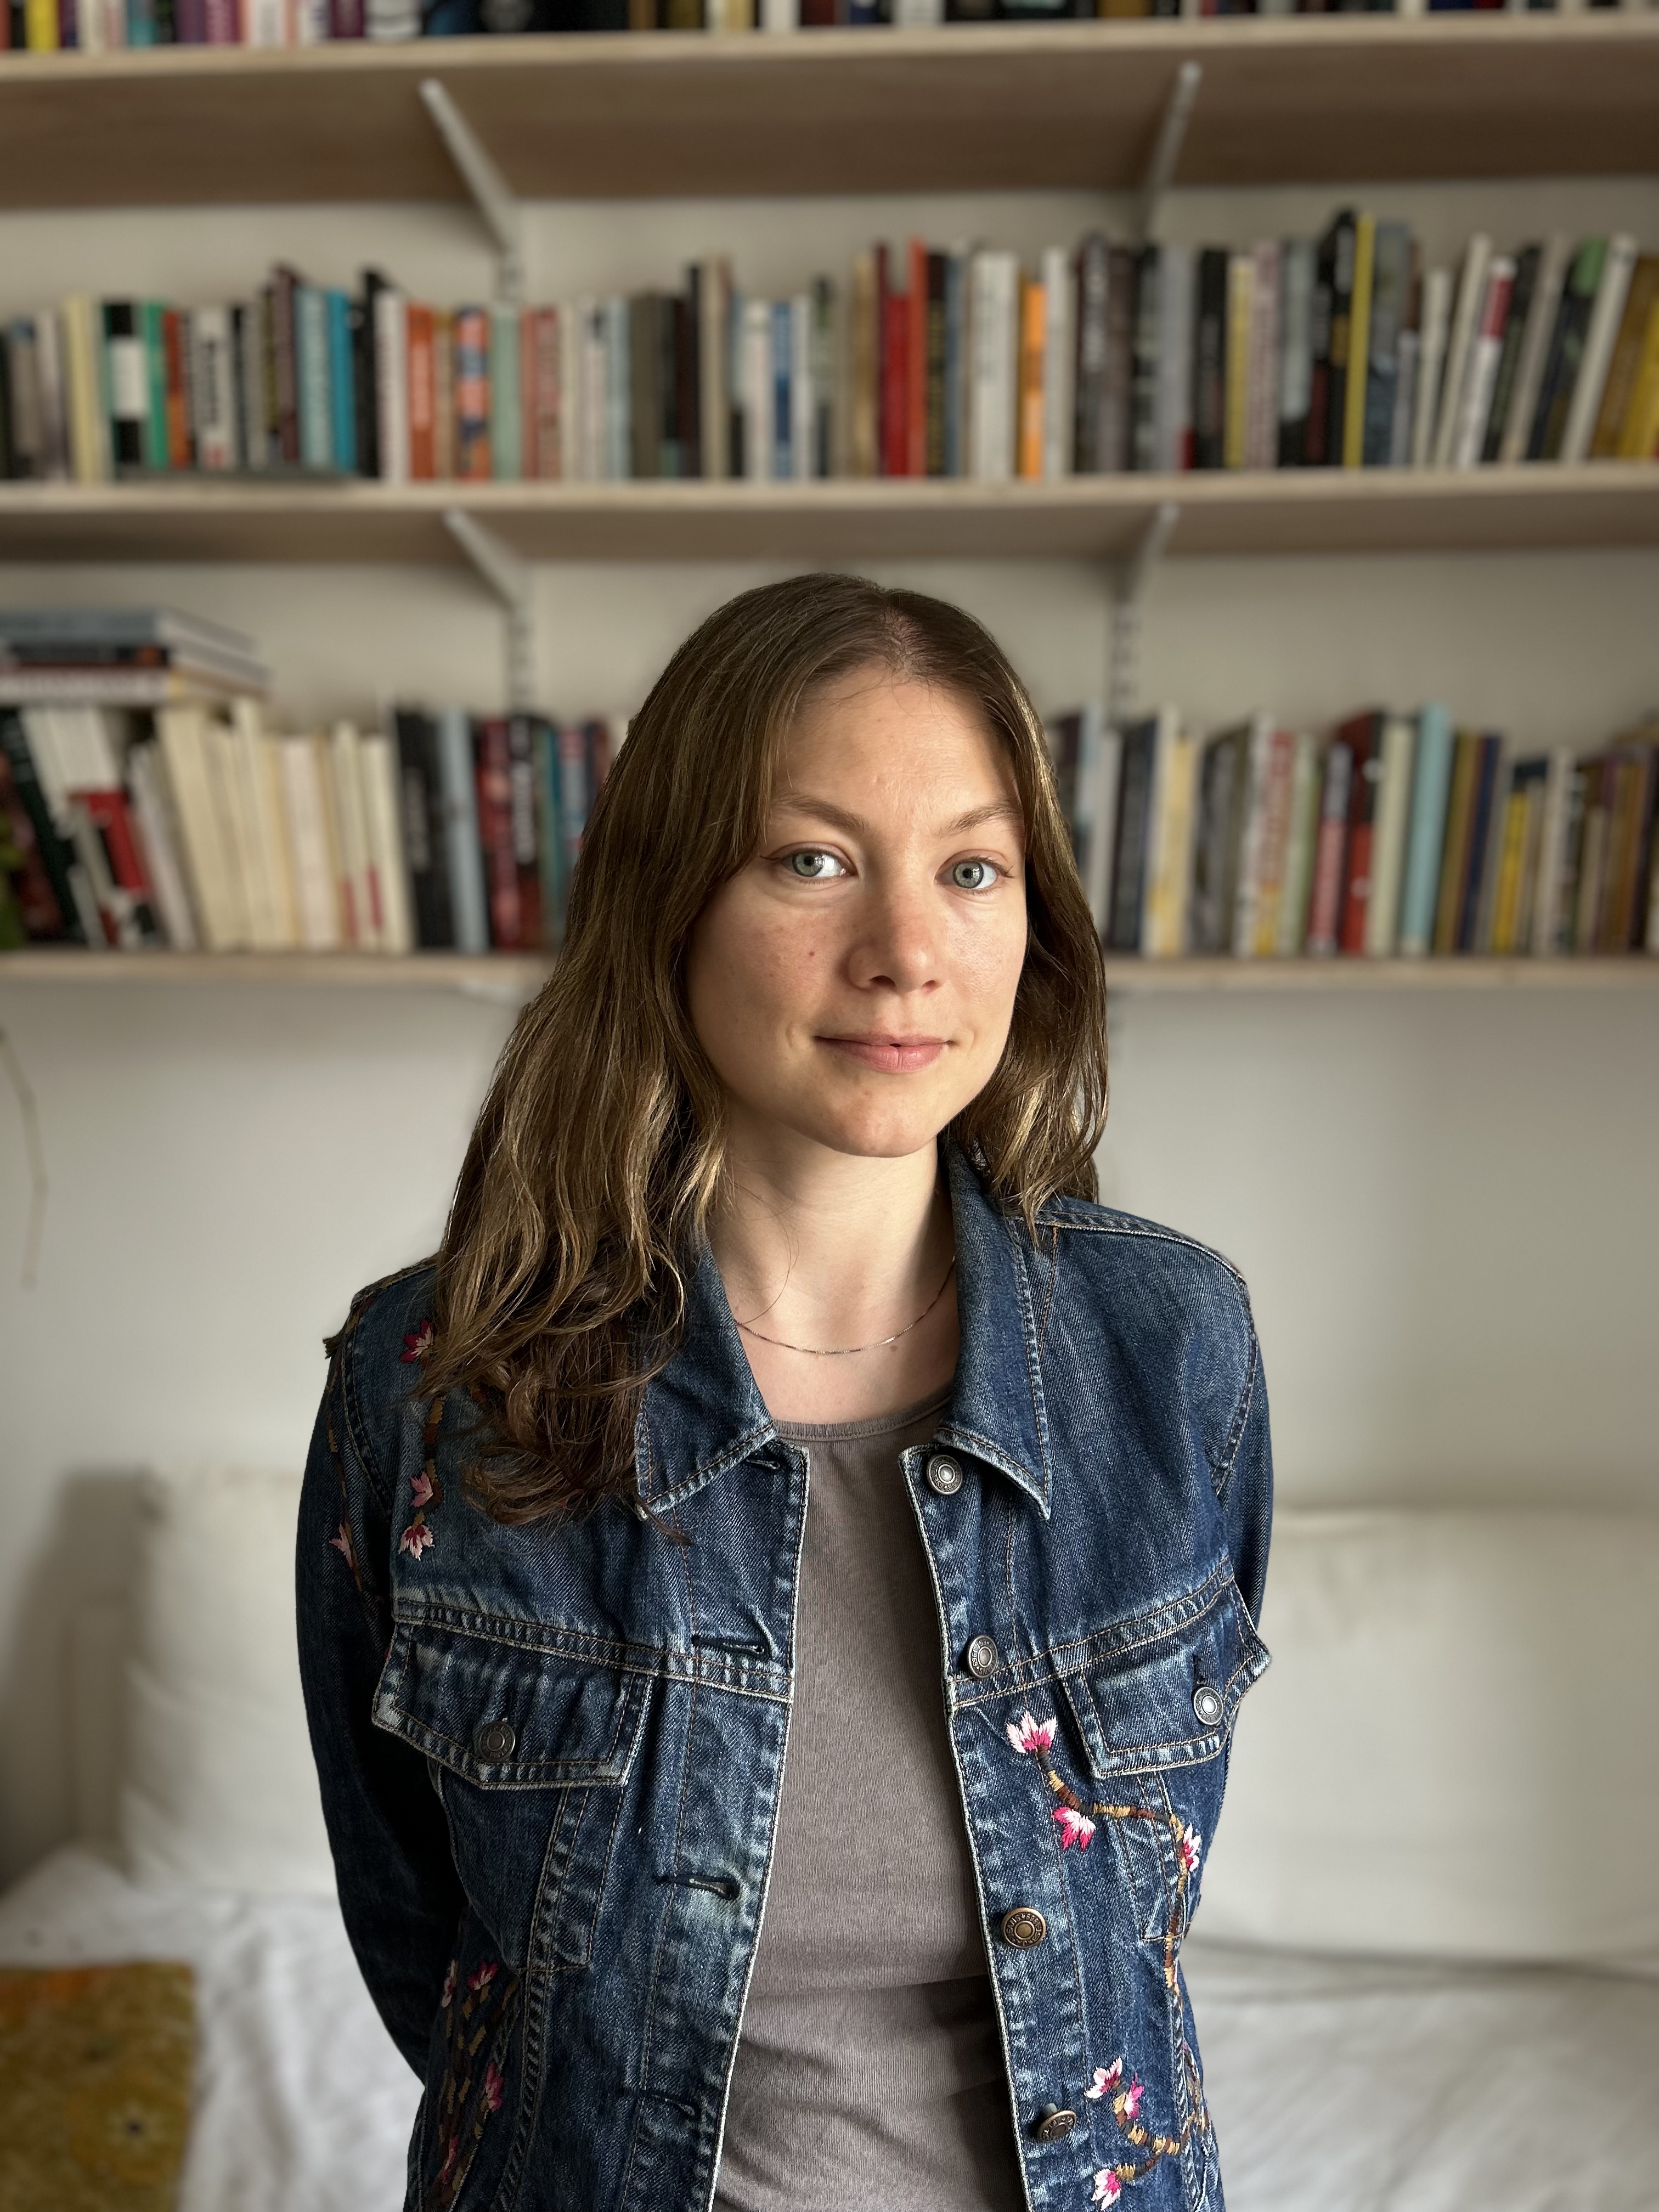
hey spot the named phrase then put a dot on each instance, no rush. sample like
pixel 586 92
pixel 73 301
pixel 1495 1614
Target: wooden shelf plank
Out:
pixel 512 976
pixel 1074 105
pixel 1287 511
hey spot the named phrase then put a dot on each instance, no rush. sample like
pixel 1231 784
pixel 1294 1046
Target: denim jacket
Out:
pixel 550 1756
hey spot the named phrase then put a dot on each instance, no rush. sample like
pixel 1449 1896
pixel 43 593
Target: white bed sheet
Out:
pixel 303 2102
pixel 1343 2085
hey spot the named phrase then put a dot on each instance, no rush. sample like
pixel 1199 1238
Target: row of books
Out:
pixel 97 26
pixel 1390 834
pixel 1338 351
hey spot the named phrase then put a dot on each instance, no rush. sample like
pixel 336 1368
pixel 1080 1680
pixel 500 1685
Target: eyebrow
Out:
pixel 995 809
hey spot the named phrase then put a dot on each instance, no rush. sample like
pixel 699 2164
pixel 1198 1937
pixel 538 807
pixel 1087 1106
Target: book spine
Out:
pixel 1330 851
pixel 1357 383
pixel 1431 363
pixel 469 904
pixel 472 401
pixel 1032 319
pixel 1143 428
pixel 1389 848
pixel 392 387
pixel 915 361
pixel 1535 340
pixel 1622 370
pixel 421 817
pixel 1480 383
pixel 523 824
pixel 895 385
pixel 127 380
pixel 1361 735
pixel 495 785
pixel 1296 359
pixel 388 871
pixel 342 384
pixel 1603 327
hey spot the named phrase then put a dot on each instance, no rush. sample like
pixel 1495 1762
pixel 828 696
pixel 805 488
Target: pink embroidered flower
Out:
pixel 1030 1735
pixel 417 1343
pixel 1132 2097
pixel 1074 1828
pixel 492 2087
pixel 415 1539
pixel 422 1487
pixel 1191 1843
pixel 1108 2187
pixel 482 1977
pixel 1106 2079
pixel 448 1996
pixel 341 1543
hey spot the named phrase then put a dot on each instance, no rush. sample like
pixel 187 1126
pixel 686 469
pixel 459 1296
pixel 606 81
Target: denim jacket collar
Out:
pixel 704 1414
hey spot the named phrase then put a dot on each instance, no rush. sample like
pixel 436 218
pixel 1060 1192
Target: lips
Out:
pixel 892 1055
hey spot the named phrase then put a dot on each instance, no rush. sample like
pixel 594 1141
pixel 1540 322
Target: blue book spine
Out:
pixel 783 355
pixel 312 377
pixel 467 901
pixel 573 795
pixel 1431 787
pixel 549 835
pixel 342 384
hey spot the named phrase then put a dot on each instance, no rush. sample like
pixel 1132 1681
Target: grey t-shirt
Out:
pixel 869 2074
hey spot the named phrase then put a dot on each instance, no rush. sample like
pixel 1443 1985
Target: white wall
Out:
pixel 1446 1205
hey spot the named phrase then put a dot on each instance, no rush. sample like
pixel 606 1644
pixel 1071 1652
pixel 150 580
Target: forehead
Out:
pixel 881 739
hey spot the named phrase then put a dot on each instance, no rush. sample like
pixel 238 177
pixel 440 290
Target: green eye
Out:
pixel 971 875
pixel 811 866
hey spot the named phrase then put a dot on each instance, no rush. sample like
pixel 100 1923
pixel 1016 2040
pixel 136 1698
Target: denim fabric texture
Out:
pixel 550 1756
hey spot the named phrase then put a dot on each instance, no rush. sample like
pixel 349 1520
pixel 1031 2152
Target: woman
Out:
pixel 787 1178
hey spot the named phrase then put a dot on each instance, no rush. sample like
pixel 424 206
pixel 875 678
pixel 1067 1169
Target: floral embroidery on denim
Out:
pixel 417 1344
pixel 1030 1735
pixel 342 1544
pixel 475 2028
pixel 1074 1828
pixel 425 1489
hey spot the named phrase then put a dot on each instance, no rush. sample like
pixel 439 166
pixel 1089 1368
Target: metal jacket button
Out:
pixel 1056 2124
pixel 1207 1704
pixel 981 1657
pixel 494 1741
pixel 1024 1927
pixel 943 1475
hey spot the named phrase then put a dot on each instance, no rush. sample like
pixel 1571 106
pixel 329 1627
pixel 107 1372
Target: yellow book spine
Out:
pixel 40 25
pixel 1640 434
pixel 1241 308
pixel 1508 901
pixel 1359 343
pixel 1033 324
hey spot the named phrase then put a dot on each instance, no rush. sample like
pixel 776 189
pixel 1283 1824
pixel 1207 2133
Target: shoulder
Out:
pixel 376 1354
pixel 1174 1309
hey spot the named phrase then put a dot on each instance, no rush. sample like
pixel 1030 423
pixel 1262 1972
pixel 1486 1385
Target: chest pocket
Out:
pixel 1152 1706
pixel 531 1752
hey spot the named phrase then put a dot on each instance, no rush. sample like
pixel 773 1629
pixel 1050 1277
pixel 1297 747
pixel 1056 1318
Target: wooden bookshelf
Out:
pixel 514 976
pixel 1075 104
pixel 1285 511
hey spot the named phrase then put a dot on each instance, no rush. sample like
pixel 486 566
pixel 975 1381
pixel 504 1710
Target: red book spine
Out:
pixel 895 385
pixel 495 778
pixel 915 363
pixel 423 397
pixel 222 21
pixel 527 856
pixel 107 811
pixel 1363 735
pixel 179 453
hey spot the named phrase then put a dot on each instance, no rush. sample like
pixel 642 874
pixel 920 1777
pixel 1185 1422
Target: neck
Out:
pixel 828 1250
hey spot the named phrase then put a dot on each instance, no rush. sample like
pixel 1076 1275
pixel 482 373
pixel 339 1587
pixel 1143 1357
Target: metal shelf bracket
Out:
pixel 508 577
pixel 492 195
pixel 1123 688
pixel 1166 153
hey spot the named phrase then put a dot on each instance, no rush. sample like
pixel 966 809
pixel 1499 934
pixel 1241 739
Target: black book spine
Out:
pixel 1089 393
pixel 421 796
pixel 1130 860
pixel 1143 432
pixel 1509 361
pixel 1210 361
pixel 56 853
pixel 9 458
pixel 1316 427
pixel 366 372
pixel 687 419
pixel 127 378
pixel 1480 835
pixel 1566 352
pixel 1343 232
pixel 691 367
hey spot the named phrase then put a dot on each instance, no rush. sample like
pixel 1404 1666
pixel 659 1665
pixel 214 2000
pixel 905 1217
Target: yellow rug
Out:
pixel 95 2070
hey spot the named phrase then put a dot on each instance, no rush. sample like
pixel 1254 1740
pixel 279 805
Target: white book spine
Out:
pixel 307 23
pixel 1262 436
pixel 49 374
pixel 265 22
pixel 1174 383
pixel 1547 898
pixel 1535 347
pixel 244 742
pixel 357 902
pixel 1471 295
pixel 618 390
pixel 757 390
pixel 385 845
pixel 1057 362
pixel 1247 894
pixel 392 385
pixel 213 389
pixel 1431 362
pixel 1470 436
pixel 917 14
pixel 316 896
pixel 780 15
pixel 1604 318
pixel 1388 843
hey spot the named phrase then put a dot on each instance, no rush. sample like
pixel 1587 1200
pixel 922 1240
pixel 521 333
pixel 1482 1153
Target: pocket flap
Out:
pixel 507 1717
pixel 1167 1701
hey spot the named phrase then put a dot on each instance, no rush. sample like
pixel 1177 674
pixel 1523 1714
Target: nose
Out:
pixel 897 944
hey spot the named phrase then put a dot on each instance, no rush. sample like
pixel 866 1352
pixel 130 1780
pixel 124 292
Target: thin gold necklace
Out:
pixel 847 1351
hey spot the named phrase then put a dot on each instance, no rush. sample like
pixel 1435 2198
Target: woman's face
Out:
pixel 854 984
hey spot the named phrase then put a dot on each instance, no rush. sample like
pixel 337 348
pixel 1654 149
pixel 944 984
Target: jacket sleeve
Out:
pixel 1245 1487
pixel 399 1894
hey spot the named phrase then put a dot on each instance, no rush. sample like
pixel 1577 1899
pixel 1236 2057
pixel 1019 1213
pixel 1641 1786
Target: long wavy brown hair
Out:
pixel 582 1203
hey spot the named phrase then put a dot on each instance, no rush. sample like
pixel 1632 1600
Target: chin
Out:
pixel 887 1135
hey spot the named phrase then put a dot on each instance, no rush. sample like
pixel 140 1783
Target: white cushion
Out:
pixel 1456 1751
pixel 219 1790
